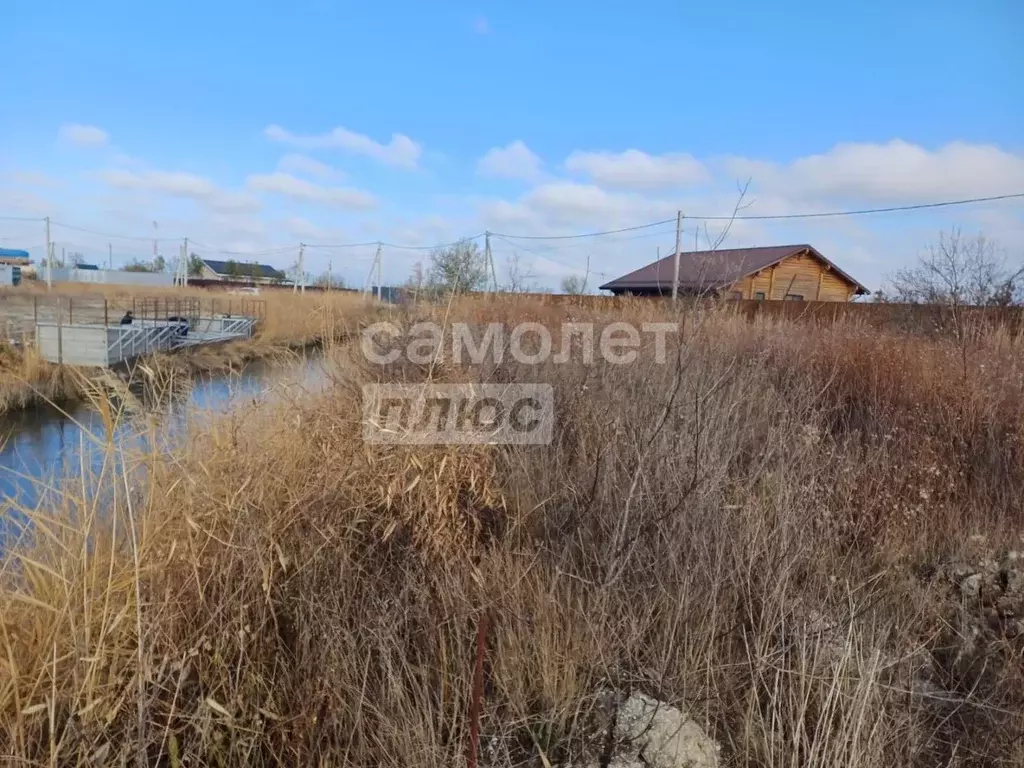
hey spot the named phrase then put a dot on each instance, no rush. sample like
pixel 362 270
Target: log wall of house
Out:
pixel 800 275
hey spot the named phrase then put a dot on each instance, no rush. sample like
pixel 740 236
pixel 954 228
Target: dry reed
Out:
pixel 751 530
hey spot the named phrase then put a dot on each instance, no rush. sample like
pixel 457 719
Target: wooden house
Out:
pixel 772 273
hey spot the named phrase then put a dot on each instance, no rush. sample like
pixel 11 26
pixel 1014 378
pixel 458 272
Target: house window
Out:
pixel 794 297
pixel 759 296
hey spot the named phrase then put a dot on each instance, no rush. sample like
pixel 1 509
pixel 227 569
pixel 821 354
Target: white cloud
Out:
pixel 301 228
pixel 306 191
pixel 634 169
pixel 515 161
pixel 307 166
pixel 236 226
pixel 173 183
pixel 83 135
pixel 181 184
pixel 481 26
pixel 234 202
pixel 566 207
pixel 896 172
pixel 401 151
pixel 34 179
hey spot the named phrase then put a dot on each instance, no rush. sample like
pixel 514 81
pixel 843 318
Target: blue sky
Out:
pixel 257 125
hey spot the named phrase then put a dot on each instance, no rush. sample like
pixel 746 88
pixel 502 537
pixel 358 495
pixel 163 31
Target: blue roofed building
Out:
pixel 240 270
pixel 15 257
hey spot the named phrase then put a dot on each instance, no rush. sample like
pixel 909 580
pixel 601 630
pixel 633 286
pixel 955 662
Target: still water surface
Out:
pixel 43 446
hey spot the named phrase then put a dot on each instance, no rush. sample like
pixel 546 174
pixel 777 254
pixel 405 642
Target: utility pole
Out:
pixel 302 266
pixel 110 255
pixel 49 257
pixel 380 258
pixel 490 260
pixel 184 263
pixel 675 269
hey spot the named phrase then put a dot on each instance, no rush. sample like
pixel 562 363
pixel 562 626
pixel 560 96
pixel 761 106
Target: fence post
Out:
pixel 60 331
pixel 35 310
pixel 106 314
pixel 71 311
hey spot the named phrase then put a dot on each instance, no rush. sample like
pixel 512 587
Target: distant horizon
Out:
pixel 419 125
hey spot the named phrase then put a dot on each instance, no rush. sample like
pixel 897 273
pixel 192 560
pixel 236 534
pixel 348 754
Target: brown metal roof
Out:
pixel 709 270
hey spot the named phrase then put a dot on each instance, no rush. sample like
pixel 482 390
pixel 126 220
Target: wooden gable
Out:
pixel 802 275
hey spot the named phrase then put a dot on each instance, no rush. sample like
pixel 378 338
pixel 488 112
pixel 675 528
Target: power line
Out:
pixel 508 237
pixel 264 252
pixel 109 235
pixel 329 247
pixel 460 241
pixel 396 245
pixel 588 234
pixel 585 244
pixel 546 257
pixel 864 211
pixel 774 217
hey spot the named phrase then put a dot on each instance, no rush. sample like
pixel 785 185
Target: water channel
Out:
pixel 44 446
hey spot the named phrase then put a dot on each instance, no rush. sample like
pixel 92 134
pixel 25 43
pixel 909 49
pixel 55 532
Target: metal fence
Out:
pixel 20 314
pixel 109 277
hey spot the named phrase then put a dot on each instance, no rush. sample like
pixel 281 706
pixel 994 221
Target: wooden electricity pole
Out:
pixel 301 268
pixel 675 268
pixel 49 257
pixel 380 258
pixel 489 255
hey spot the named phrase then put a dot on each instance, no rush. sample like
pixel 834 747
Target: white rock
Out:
pixel 970 587
pixel 652 734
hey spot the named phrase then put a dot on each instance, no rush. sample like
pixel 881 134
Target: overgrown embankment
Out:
pixel 773 529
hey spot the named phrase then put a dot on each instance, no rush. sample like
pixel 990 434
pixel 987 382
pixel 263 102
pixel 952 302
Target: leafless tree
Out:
pixel 414 284
pixel 520 275
pixel 742 204
pixel 457 268
pixel 574 285
pixel 959 271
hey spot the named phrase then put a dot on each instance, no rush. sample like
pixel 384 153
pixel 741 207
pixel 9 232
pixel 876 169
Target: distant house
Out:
pixel 240 270
pixel 772 273
pixel 15 257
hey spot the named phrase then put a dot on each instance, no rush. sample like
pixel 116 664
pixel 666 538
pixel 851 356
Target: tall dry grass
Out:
pixel 745 531
pixel 26 379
